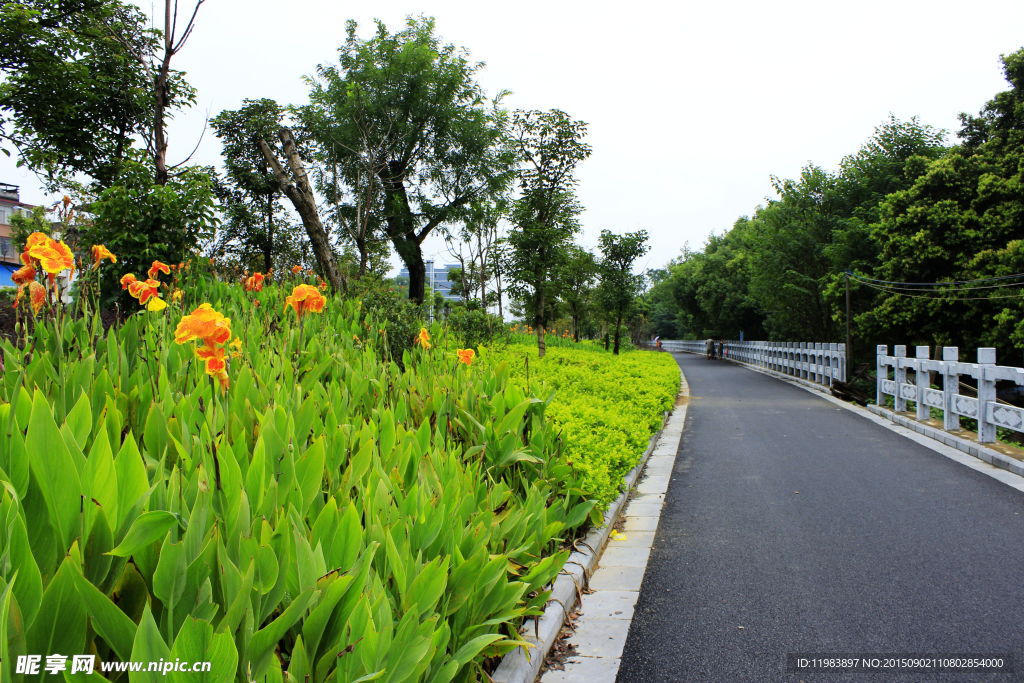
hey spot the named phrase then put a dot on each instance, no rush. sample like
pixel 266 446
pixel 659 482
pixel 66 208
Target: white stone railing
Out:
pixel 817 363
pixel 892 381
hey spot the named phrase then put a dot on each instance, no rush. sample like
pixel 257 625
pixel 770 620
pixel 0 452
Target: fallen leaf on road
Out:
pixel 616 536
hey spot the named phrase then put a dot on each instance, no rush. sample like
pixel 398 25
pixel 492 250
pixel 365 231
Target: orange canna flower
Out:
pixel 423 338
pixel 36 295
pixel 203 323
pixel 100 252
pixel 296 270
pixel 23 275
pixel 127 280
pixel 255 303
pixel 254 283
pixel 323 286
pixel 157 268
pixel 144 291
pixel 466 355
pixel 305 299
pixel 51 255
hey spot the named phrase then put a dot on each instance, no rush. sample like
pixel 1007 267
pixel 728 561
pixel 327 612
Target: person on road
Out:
pixel 709 348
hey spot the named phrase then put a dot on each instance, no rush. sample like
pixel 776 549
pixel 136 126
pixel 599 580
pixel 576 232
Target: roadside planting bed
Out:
pixel 277 495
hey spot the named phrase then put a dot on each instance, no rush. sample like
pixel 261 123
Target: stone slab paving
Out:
pixel 605 614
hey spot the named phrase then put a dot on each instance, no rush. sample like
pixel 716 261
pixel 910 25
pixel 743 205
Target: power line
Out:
pixel 1018 295
pixel 934 284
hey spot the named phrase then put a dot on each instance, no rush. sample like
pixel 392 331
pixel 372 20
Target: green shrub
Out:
pixel 606 406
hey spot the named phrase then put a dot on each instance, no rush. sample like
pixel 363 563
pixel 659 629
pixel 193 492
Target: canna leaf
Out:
pixel 55 472
pixel 110 622
pixel 148 528
pixel 149 646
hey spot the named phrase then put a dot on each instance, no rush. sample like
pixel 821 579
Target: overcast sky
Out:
pixel 691 105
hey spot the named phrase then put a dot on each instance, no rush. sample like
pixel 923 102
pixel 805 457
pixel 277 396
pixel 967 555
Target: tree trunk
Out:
pixel 295 184
pixel 618 330
pixel 500 313
pixel 539 323
pixel 268 244
pixel 483 279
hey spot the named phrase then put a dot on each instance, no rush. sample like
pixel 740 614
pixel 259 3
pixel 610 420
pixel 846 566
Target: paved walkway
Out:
pixel 601 630
pixel 791 525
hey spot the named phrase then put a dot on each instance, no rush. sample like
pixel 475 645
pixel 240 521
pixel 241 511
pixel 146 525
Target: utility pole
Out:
pixel 849 345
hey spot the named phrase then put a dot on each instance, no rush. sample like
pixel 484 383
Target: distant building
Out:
pixel 437 279
pixel 10 205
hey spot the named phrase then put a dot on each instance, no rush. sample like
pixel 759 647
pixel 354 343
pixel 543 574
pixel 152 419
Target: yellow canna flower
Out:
pixel 423 339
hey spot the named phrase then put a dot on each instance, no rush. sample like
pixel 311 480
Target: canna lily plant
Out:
pixel 323 514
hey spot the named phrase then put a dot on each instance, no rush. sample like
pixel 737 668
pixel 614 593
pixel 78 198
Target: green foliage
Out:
pixel 255 230
pixel 332 514
pixel 619 286
pixel 779 273
pixel 474 327
pixel 142 221
pixel 605 406
pixel 408 125
pixel 575 279
pixel 74 91
pixel 960 220
pixel 550 146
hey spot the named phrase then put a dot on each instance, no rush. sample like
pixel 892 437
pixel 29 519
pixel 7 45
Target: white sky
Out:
pixel 691 105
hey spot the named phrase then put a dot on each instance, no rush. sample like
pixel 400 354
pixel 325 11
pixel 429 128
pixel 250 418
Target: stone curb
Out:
pixel 516 666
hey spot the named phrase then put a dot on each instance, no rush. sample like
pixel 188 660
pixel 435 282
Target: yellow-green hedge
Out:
pixel 607 406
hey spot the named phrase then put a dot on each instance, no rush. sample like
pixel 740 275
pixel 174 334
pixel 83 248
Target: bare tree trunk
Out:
pixel 618 329
pixel 295 183
pixel 539 322
pixel 160 101
pixel 497 274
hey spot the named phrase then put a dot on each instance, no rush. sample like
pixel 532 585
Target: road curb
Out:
pixel 517 666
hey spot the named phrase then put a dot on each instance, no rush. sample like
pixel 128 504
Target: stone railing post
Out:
pixel 881 373
pixel 841 361
pixel 950 387
pixel 986 394
pixel 921 371
pixel 900 352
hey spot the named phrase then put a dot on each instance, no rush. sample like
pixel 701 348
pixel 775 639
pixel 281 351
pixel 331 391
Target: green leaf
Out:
pixel 261 647
pixel 149 646
pixel 79 420
pixel 55 472
pixel 29 589
pixel 169 577
pixel 61 622
pixel 110 622
pixel 148 528
pixel 6 671
pixel 196 642
pixel 99 480
pixel 132 482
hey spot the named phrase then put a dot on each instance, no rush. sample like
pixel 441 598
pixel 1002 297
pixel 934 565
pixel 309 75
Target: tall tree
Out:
pixel 78 87
pixel 960 220
pixel 412 106
pixel 575 279
pixel 294 182
pixel 619 285
pixel 550 145
pixel 250 191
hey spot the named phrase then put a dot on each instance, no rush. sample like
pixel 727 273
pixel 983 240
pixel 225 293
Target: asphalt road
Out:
pixel 792 525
